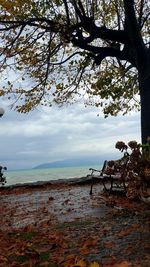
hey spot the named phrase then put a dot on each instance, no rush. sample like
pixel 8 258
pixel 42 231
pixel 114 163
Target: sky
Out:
pixel 52 134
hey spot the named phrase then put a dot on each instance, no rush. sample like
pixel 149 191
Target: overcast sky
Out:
pixel 52 134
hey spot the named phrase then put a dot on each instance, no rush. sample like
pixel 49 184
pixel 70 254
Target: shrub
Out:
pixel 137 157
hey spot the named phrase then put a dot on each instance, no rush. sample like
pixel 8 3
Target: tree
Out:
pixel 64 50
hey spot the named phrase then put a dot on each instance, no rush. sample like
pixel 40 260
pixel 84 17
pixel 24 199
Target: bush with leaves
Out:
pixel 137 168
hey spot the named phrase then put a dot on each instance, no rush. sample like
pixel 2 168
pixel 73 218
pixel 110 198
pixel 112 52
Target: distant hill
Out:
pixel 71 163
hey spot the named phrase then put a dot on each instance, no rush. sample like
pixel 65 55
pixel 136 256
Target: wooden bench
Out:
pixel 112 175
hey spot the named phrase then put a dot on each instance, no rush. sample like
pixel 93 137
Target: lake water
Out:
pixel 35 175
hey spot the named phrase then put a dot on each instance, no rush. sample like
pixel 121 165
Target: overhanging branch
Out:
pixel 99 53
pixel 50 24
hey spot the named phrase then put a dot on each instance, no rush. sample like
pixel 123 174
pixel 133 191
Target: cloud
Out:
pixel 50 134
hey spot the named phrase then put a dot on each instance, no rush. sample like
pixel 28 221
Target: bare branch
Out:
pixel 141 14
pixel 67 59
pixel 67 11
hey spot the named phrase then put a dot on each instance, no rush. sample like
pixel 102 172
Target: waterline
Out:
pixel 35 175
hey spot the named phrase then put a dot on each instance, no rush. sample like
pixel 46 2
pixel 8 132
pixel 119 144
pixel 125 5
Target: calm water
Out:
pixel 34 175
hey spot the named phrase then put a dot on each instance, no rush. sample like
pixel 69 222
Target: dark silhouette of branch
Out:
pixel 67 11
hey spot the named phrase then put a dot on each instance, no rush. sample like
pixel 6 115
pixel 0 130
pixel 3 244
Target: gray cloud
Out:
pixel 50 134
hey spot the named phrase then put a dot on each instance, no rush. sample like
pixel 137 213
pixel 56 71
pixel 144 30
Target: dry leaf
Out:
pixel 81 263
pixel 109 244
pixel 94 264
pixel 123 264
pixel 90 243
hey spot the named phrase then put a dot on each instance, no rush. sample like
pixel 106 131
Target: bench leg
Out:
pixel 111 185
pixel 91 187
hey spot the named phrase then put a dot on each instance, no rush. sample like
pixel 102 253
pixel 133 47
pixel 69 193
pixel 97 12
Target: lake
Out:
pixel 35 175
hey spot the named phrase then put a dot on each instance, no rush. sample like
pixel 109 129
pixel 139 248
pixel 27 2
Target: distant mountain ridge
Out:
pixel 70 163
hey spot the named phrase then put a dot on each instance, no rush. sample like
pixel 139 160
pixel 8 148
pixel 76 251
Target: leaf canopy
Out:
pixel 65 51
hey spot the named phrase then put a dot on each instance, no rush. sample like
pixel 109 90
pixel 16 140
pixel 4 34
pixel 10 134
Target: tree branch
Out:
pixel 31 22
pixel 65 60
pixel 99 53
pixel 67 11
pixel 141 14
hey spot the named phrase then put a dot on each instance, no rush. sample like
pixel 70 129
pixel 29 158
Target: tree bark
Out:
pixel 144 86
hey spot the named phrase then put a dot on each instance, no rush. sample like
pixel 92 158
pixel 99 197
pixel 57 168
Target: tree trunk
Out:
pixel 144 85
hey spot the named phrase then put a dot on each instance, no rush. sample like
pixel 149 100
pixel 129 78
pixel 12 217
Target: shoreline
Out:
pixel 68 181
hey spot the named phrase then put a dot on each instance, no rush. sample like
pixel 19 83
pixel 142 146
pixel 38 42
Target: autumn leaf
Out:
pixel 124 232
pixel 81 263
pixel 3 259
pixel 85 251
pixel 109 244
pixel 94 264
pixel 69 261
pixel 90 243
pixel 123 264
